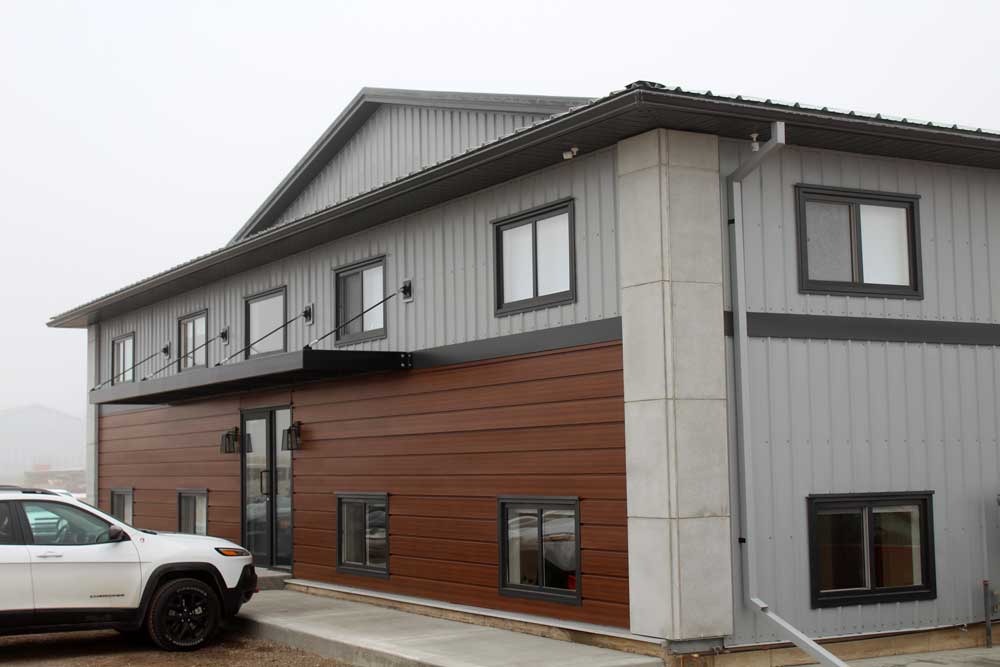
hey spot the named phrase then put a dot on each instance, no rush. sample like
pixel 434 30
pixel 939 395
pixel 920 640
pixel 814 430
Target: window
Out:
pixel 192 511
pixel 265 314
pixel 7 535
pixel 58 524
pixel 121 505
pixel 535 259
pixel 540 548
pixel 191 338
pixel 871 548
pixel 123 359
pixel 363 533
pixel 858 242
pixel 360 288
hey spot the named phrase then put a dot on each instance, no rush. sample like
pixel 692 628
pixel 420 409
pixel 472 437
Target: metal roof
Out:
pixel 592 125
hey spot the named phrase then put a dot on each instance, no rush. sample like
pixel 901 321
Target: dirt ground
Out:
pixel 109 649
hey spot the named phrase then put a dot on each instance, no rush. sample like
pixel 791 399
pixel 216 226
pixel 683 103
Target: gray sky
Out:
pixel 136 135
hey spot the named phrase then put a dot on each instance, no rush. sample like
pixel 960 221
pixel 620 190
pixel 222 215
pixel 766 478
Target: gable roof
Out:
pixel 639 107
pixel 360 109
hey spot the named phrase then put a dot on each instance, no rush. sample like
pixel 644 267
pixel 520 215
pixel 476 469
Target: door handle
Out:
pixel 263 477
pixel 50 554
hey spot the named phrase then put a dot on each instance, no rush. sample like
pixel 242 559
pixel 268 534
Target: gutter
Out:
pixel 741 345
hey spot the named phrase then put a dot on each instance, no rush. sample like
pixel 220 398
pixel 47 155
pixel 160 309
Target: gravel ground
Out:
pixel 109 649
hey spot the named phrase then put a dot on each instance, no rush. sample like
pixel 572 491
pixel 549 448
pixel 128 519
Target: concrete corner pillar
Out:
pixel 670 227
pixel 92 411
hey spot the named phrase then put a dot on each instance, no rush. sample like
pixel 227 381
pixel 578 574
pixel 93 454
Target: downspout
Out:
pixel 741 351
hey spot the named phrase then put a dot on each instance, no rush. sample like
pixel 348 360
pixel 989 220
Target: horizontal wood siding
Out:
pixel 444 443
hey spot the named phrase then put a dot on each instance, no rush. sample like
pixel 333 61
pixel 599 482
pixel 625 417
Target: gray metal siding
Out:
pixel 447 252
pixel 838 416
pixel 399 140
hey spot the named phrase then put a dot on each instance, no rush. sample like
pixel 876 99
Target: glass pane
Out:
pixel 518 280
pixel 187 514
pixel 58 524
pixel 375 535
pixel 199 341
pixel 373 292
pixel 522 546
pixel 351 298
pixel 828 241
pixel 885 254
pixel 559 548
pixel 258 507
pixel 840 535
pixel 553 254
pixel 194 514
pixel 352 539
pixel 121 506
pixel 897 546
pixel 6 524
pixel 266 315
pixel 128 359
pixel 282 493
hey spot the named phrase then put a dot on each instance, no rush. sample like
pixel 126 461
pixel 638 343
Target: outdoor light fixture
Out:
pixel 224 336
pixel 166 350
pixel 228 444
pixel 571 153
pixel 406 289
pixel 291 438
pixel 307 314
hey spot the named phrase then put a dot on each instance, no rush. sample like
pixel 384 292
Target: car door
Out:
pixel 15 569
pixel 73 564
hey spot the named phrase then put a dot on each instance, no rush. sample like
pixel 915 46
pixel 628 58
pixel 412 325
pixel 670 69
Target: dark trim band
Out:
pixel 827 327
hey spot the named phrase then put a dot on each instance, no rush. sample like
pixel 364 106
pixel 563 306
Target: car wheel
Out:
pixel 183 615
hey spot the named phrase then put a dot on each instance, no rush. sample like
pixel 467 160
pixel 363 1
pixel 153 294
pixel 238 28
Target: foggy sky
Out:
pixel 137 135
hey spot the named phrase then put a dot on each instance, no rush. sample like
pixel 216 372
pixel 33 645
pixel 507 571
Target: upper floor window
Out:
pixel 360 289
pixel 265 315
pixel 191 337
pixel 858 242
pixel 123 359
pixel 870 548
pixel 535 259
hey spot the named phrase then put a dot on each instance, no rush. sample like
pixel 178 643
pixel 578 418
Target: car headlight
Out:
pixel 232 551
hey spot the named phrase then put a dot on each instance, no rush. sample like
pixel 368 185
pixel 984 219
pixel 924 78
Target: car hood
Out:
pixel 186 539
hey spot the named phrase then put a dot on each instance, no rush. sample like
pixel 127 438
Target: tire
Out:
pixel 183 615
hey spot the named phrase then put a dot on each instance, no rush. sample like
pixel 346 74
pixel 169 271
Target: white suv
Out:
pixel 65 565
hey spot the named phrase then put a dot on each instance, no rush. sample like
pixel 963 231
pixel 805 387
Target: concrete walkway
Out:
pixel 370 636
pixel 967 657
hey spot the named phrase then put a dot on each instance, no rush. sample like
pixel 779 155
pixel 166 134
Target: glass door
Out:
pixel 267 487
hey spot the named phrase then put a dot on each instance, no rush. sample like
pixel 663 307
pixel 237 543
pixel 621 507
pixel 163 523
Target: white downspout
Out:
pixel 741 356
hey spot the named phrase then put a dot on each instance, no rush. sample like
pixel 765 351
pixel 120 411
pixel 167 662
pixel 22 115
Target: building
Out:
pixel 725 360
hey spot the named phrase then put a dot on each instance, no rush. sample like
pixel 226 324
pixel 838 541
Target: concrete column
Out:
pixel 92 411
pixel 670 226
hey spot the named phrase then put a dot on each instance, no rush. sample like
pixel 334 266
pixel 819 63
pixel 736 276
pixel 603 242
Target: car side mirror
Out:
pixel 116 534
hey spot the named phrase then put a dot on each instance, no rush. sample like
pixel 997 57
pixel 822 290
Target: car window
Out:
pixel 61 524
pixel 6 524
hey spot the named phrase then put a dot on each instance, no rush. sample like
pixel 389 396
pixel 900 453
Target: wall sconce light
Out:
pixel 291 438
pixel 406 289
pixel 166 350
pixel 307 314
pixel 229 443
pixel 224 336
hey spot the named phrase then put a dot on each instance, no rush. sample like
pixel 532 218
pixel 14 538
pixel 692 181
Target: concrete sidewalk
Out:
pixel 966 657
pixel 369 636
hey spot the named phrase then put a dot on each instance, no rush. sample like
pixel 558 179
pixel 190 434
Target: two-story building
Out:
pixel 664 366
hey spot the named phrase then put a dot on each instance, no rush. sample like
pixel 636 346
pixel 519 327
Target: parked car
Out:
pixel 65 565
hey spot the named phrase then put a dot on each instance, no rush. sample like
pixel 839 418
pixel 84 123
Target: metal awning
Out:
pixel 260 373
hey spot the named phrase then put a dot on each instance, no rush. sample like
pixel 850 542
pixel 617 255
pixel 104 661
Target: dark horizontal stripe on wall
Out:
pixel 542 340
pixel 782 325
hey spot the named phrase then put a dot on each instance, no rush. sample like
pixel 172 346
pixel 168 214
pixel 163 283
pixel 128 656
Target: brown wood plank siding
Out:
pixel 443 443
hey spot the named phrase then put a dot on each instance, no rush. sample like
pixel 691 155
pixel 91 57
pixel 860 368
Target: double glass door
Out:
pixel 267 487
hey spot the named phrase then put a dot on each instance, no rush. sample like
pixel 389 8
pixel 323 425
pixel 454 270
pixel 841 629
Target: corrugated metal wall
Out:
pixel 447 252
pixel 398 140
pixel 836 416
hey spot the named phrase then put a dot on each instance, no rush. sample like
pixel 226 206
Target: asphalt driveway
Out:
pixel 109 649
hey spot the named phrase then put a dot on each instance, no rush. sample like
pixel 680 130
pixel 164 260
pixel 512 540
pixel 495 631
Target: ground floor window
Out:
pixel 192 511
pixel 869 548
pixel 540 548
pixel 363 533
pixel 121 505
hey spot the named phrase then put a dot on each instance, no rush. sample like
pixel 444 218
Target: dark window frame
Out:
pixel 854 198
pixel 530 217
pixel 349 568
pixel 537 592
pixel 865 502
pixel 260 296
pixel 181 321
pixel 348 270
pixel 114 344
pixel 197 493
pixel 127 491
